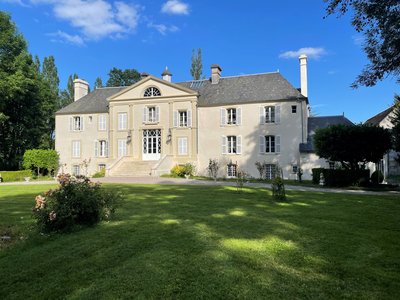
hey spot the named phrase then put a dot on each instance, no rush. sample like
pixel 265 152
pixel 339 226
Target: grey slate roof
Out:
pixel 94 102
pixel 229 90
pixel 375 120
pixel 244 89
pixel 315 123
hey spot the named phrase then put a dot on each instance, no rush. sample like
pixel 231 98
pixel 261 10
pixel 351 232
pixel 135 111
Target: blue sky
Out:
pixel 243 37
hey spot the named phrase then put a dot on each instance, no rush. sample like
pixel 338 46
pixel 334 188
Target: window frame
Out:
pixel 294 109
pixel 231 116
pixel 76 150
pixel 183 148
pixel 75 167
pixel 74 123
pixel 231 170
pixel 102 123
pixel 151 91
pixel 103 145
pixel 122 151
pixel 122 121
pixel 270 144
pixel 231 144
pixel 182 118
pixel 270 114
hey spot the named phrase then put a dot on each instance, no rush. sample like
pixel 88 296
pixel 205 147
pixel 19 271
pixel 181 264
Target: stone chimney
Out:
pixel 166 75
pixel 215 73
pixel 143 75
pixel 303 75
pixel 81 89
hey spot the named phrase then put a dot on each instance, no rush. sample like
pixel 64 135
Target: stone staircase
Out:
pixel 133 169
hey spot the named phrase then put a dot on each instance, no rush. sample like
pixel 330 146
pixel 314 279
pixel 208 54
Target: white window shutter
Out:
pixel 223 116
pixel 157 114
pixel 262 144
pixel 96 148
pixel 239 144
pixel 224 145
pixel 71 123
pixel 239 116
pixel 175 118
pixel 145 112
pixel 189 118
pixel 277 114
pixel 262 115
pixel 106 149
pixel 277 143
pixel 82 123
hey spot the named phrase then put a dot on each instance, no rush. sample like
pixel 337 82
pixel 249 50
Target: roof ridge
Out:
pixel 334 116
pixel 110 87
pixel 253 74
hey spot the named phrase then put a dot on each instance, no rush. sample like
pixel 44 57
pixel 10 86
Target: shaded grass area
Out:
pixel 180 242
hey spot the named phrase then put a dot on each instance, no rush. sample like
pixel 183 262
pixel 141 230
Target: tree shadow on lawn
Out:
pixel 174 242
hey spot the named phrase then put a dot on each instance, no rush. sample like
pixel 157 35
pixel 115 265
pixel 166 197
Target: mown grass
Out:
pixel 191 242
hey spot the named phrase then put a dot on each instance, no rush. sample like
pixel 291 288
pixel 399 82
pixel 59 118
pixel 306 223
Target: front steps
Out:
pixel 133 169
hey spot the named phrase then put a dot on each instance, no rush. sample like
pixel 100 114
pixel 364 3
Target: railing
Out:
pixel 114 165
pixel 164 165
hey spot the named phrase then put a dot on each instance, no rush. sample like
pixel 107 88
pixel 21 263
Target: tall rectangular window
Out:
pixel 76 148
pixel 103 148
pixel 76 123
pixel 76 170
pixel 231 116
pixel 183 118
pixel 151 117
pixel 122 151
pixel 270 171
pixel 102 125
pixel 232 170
pixel 294 109
pixel 269 144
pixel 122 121
pixel 232 144
pixel 269 114
pixel 182 146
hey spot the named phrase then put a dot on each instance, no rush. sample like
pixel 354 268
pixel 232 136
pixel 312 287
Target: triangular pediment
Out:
pixel 167 89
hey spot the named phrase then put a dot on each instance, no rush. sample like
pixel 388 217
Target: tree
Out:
pixel 22 120
pixel 196 69
pixel 118 77
pixel 67 95
pixel 41 159
pixel 352 144
pixel 379 21
pixel 98 83
pixel 396 126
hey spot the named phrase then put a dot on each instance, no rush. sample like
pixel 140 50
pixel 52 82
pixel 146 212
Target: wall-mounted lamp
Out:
pixel 169 136
pixel 129 137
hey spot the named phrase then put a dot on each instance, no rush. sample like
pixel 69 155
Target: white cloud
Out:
pixel 162 28
pixel 312 53
pixel 175 7
pixel 358 40
pixel 63 37
pixel 19 2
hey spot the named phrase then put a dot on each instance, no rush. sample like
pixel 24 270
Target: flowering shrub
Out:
pixel 77 201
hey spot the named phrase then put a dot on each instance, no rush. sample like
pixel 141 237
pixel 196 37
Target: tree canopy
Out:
pixel 196 69
pixel 396 126
pixel 118 77
pixel 98 83
pixel 352 144
pixel 379 21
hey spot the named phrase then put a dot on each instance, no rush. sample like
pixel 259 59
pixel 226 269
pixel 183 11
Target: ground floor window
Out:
pixel 270 170
pixel 102 167
pixel 76 170
pixel 295 169
pixel 232 170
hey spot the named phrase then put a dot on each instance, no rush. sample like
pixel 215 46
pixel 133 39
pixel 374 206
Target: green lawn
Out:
pixel 191 242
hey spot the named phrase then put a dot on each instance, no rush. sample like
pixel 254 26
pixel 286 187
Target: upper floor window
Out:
pixel 270 114
pixel 102 125
pixel 270 144
pixel 122 121
pixel 152 92
pixel 294 109
pixel 76 123
pixel 231 116
pixel 232 144
pixel 183 118
pixel 151 114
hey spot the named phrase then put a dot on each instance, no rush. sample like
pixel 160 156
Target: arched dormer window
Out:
pixel 152 92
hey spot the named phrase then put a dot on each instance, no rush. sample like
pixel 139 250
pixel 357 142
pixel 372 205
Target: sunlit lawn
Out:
pixel 170 242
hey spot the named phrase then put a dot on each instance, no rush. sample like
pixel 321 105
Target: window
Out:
pixel 122 148
pixel 102 167
pixel 76 170
pixel 183 117
pixel 270 144
pixel 151 114
pixel 103 148
pixel 231 144
pixel 232 170
pixel 76 124
pixel 182 146
pixel 152 92
pixel 295 169
pixel 102 123
pixel 270 114
pixel 270 171
pixel 76 148
pixel 294 109
pixel 122 121
pixel 231 116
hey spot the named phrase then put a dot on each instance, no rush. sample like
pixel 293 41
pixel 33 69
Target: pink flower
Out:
pixel 40 202
pixel 52 215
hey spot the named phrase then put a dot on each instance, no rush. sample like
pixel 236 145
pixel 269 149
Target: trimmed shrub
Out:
pixel 377 177
pixel 40 159
pixel 178 170
pixel 278 189
pixel 77 202
pixel 9 176
pixel 341 177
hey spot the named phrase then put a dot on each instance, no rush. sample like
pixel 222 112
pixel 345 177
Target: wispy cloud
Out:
pixel 63 37
pixel 162 28
pixel 312 53
pixel 175 7
pixel 19 2
pixel 358 40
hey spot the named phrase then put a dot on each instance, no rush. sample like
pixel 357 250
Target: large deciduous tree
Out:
pixel 22 121
pixel 352 145
pixel 396 126
pixel 196 69
pixel 67 95
pixel 379 21
pixel 118 77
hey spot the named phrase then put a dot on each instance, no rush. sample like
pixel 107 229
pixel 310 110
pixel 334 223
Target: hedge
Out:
pixel 9 176
pixel 340 177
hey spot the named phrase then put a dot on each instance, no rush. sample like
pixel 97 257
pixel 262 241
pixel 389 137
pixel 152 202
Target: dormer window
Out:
pixel 152 92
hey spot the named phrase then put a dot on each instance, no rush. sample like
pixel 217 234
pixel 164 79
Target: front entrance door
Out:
pixel 151 144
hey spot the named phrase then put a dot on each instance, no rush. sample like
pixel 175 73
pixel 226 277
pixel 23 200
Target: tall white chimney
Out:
pixel 303 75
pixel 81 88
pixel 215 73
pixel 166 75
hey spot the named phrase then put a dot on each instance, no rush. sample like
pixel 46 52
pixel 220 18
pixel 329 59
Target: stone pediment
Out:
pixel 167 90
